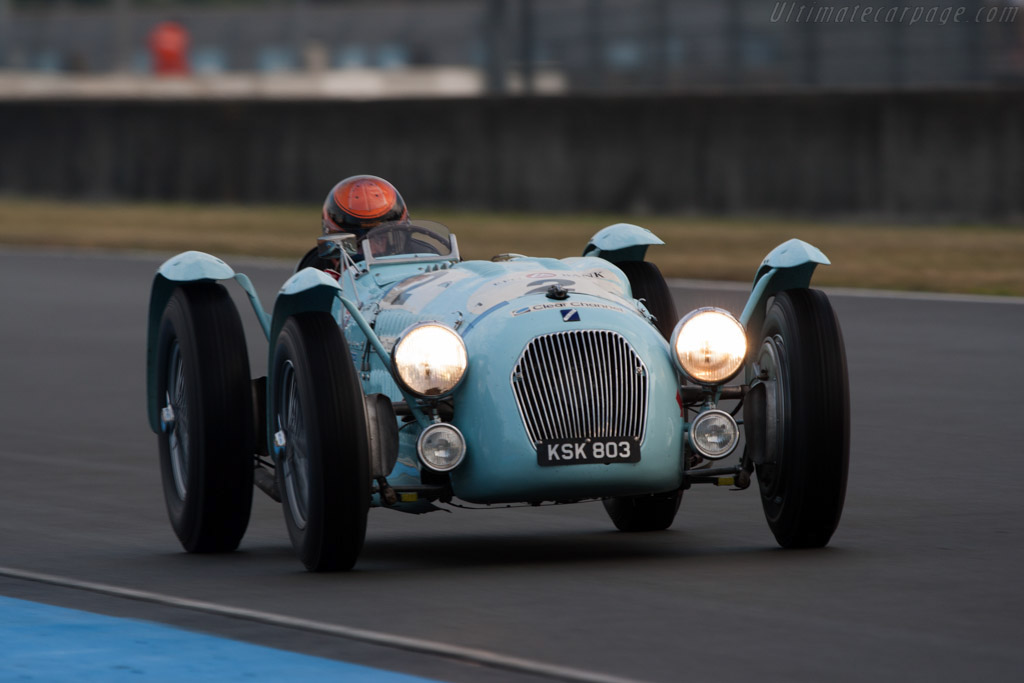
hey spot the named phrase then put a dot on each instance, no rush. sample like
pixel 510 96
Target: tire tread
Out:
pixel 209 331
pixel 818 438
pixel 333 406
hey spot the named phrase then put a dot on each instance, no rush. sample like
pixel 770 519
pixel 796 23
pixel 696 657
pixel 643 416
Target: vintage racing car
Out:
pixel 410 378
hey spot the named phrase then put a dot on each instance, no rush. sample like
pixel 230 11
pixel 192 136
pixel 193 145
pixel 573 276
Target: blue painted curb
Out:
pixel 45 643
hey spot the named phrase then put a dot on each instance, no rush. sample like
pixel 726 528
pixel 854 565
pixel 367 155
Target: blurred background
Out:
pixel 666 106
pixel 560 47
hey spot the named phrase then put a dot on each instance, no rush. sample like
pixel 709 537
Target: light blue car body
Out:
pixel 497 307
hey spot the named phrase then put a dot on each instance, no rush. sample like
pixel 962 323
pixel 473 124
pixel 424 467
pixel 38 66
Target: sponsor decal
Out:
pixel 570 315
pixel 536 275
pixel 581 304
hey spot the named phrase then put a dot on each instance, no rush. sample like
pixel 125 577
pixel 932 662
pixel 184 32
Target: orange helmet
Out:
pixel 361 202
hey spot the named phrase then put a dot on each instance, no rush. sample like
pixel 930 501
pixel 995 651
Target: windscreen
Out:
pixel 408 239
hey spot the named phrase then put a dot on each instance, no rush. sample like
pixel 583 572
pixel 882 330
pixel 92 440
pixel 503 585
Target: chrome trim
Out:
pixel 432 428
pixel 579 384
pixel 674 338
pixel 771 372
pixel 405 335
pixel 706 415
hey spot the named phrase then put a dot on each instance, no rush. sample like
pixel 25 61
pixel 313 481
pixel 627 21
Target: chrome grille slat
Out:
pixel 616 419
pixel 609 388
pixel 582 348
pixel 640 378
pixel 623 380
pixel 586 387
pixel 579 384
pixel 602 407
pixel 627 380
pixel 533 421
pixel 599 376
pixel 631 370
pixel 570 395
pixel 617 380
pixel 539 380
pixel 556 387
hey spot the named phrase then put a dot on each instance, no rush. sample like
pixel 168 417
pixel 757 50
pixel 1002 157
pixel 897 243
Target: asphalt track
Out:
pixel 921 581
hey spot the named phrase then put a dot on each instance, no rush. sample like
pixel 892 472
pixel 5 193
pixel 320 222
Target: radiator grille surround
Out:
pixel 579 384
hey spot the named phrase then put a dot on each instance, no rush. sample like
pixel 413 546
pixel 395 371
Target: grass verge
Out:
pixel 976 259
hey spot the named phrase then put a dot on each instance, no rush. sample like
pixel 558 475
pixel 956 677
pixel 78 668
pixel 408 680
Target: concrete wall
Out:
pixel 927 155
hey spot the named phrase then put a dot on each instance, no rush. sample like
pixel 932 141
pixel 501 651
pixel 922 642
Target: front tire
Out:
pixel 802 360
pixel 208 441
pixel 323 466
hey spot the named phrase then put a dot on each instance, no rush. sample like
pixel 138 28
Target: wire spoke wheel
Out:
pixel 207 442
pixel 177 402
pixel 295 463
pixel 322 444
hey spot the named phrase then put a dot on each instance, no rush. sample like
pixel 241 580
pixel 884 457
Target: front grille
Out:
pixel 579 384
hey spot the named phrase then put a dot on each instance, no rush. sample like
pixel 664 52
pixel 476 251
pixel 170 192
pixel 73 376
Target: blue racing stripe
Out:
pixel 44 643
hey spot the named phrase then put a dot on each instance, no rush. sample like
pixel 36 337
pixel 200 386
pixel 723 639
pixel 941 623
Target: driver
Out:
pixel 355 205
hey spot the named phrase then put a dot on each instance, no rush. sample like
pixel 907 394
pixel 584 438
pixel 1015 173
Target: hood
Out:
pixel 473 289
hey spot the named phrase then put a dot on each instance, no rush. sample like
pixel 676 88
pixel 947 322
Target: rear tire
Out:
pixel 208 444
pixel 803 359
pixel 653 512
pixel 648 284
pixel 323 468
pixel 311 259
pixel 644 513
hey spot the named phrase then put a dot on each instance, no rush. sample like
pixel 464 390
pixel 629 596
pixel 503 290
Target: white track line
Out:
pixel 473 655
pixel 678 283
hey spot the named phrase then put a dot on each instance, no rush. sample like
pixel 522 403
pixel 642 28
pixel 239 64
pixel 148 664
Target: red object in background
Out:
pixel 168 43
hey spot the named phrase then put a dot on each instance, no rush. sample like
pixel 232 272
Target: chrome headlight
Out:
pixel 710 346
pixel 714 434
pixel 441 447
pixel 430 359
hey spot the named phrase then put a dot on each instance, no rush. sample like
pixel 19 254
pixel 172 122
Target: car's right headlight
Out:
pixel 710 346
pixel 430 359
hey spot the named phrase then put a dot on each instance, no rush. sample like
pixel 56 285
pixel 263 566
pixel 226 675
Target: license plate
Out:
pixel 594 451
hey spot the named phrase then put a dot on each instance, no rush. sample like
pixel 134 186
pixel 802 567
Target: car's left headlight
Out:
pixel 430 359
pixel 710 346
